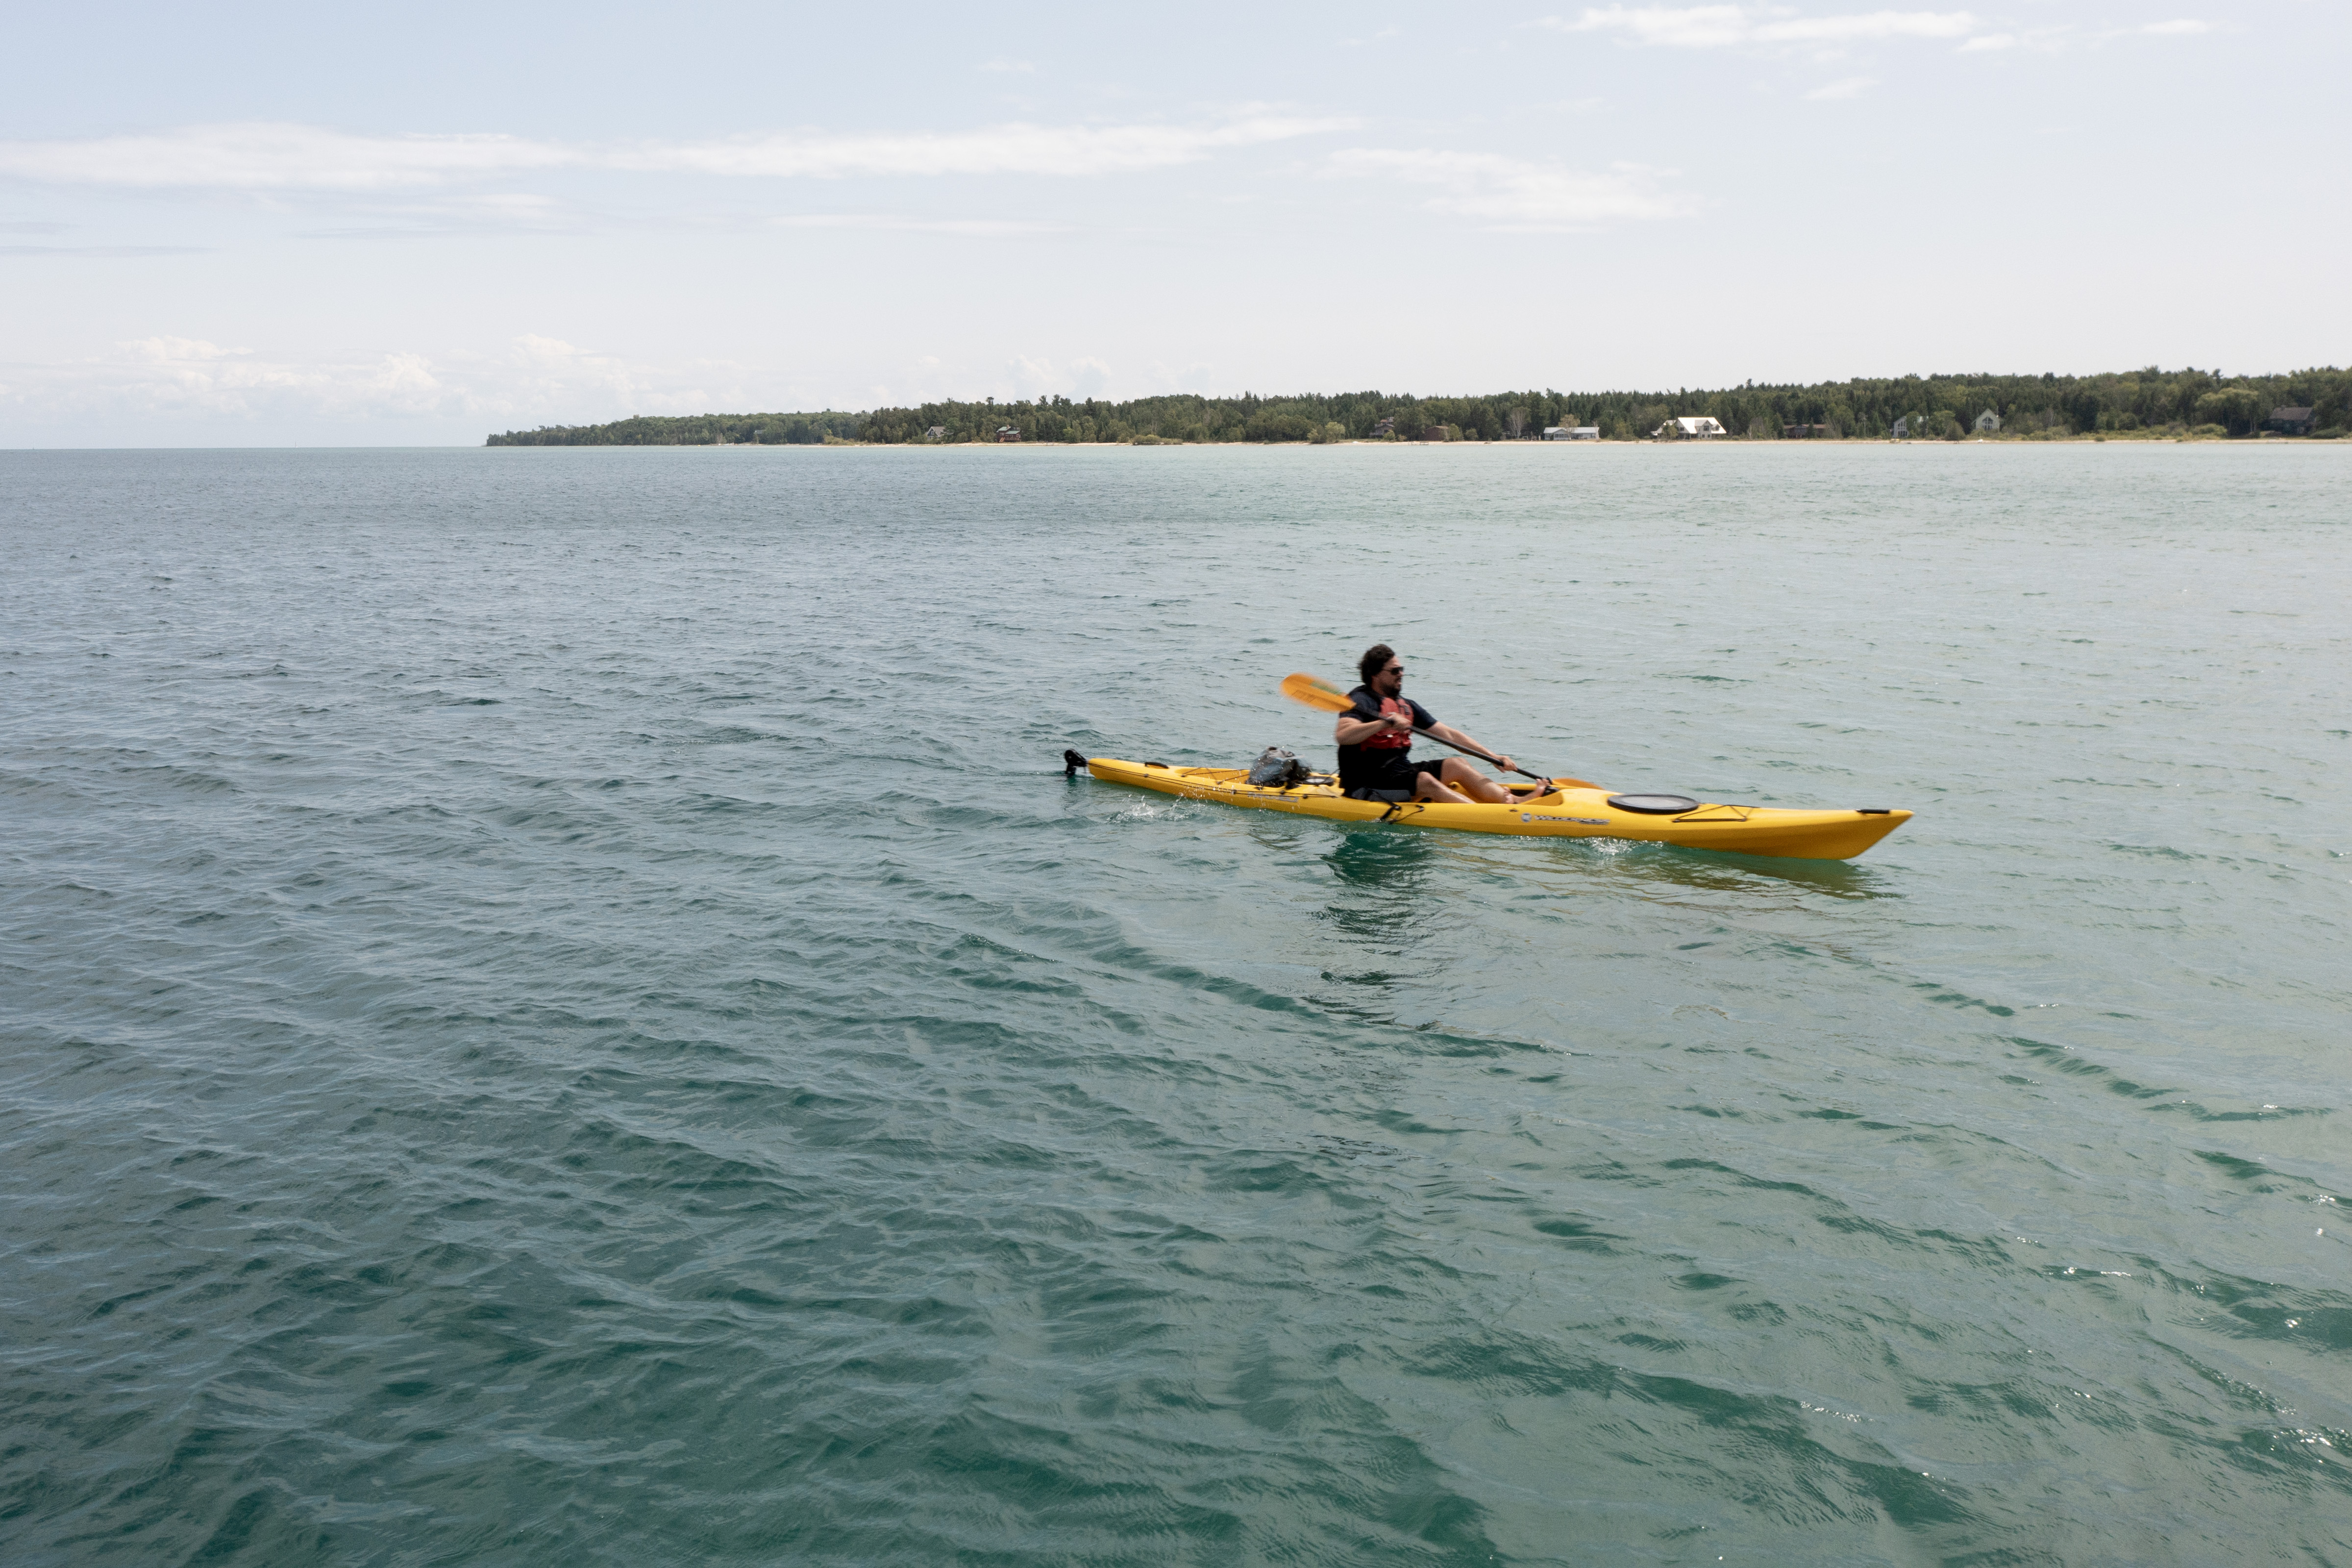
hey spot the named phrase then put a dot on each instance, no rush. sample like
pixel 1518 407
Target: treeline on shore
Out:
pixel 2146 402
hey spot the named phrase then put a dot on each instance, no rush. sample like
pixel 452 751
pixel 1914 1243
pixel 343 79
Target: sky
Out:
pixel 277 225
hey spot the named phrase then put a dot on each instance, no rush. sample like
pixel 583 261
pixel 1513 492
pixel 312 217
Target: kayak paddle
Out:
pixel 1318 693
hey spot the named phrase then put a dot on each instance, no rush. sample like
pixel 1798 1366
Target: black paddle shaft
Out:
pixel 1482 756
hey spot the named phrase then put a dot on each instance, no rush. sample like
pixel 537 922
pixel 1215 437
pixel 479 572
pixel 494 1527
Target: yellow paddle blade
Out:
pixel 1316 693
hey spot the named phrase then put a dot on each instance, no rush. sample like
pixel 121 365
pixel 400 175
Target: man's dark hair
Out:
pixel 1376 659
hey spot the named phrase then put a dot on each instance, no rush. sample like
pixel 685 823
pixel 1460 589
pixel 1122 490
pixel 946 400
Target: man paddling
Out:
pixel 1376 741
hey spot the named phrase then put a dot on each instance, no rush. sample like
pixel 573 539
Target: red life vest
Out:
pixel 1392 740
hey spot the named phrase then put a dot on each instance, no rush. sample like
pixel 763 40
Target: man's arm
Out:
pixel 1352 730
pixel 1356 726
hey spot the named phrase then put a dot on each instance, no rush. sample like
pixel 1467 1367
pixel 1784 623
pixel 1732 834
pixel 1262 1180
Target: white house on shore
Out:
pixel 1571 433
pixel 1686 429
pixel 1988 423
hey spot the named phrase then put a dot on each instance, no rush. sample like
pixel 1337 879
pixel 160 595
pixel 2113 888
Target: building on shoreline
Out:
pixel 1008 432
pixel 1689 429
pixel 1571 433
pixel 2290 421
pixel 1988 423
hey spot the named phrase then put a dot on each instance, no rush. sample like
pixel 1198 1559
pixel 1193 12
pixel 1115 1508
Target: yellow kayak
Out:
pixel 1569 809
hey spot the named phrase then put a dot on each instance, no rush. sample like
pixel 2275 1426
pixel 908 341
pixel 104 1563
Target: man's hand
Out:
pixel 1508 765
pixel 1396 721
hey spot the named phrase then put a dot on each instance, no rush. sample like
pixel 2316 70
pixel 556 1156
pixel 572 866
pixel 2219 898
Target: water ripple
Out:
pixel 560 1007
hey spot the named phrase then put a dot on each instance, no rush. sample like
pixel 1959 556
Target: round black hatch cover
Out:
pixel 1654 804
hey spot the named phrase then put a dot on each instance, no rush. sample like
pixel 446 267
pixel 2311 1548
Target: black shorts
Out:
pixel 1398 774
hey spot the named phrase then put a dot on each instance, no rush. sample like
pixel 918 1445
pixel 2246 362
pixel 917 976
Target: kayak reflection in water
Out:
pixel 1376 742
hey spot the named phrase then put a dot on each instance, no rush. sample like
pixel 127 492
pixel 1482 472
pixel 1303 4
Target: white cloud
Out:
pixel 195 381
pixel 2054 40
pixel 925 379
pixel 1017 149
pixel 1851 86
pixel 1032 377
pixel 477 212
pixel 978 227
pixel 261 157
pixel 1079 378
pixel 174 350
pixel 1510 194
pixel 266 157
pixel 114 251
pixel 192 375
pixel 1724 27
pixel 2042 40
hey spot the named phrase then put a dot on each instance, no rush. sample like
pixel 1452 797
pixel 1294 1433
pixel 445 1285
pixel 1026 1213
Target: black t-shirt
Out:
pixel 1361 767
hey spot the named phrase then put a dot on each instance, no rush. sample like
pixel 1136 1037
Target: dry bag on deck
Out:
pixel 1277 769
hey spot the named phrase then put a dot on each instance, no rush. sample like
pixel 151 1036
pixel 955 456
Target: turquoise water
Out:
pixel 559 1008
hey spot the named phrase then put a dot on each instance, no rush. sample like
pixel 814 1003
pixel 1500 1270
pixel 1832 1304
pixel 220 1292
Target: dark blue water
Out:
pixel 558 1009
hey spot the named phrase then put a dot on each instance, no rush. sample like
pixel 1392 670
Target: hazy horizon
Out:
pixel 270 227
